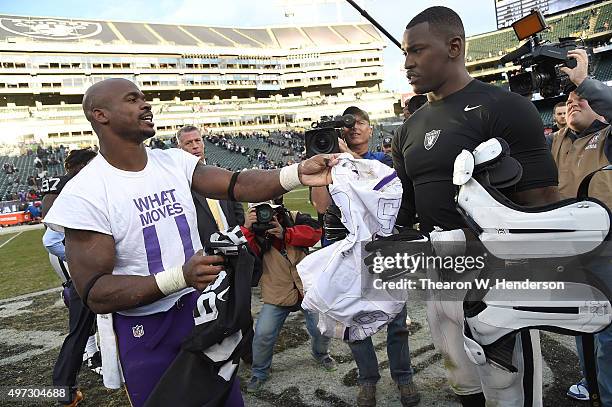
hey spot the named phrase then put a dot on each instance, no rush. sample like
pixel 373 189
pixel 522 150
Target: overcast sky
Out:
pixel 478 15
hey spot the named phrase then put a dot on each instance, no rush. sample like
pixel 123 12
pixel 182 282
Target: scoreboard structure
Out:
pixel 508 11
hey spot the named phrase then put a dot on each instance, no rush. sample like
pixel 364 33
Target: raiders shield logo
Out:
pixel 430 138
pixel 138 331
pixel 50 28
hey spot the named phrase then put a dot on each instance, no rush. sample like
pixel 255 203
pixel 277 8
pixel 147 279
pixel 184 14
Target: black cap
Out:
pixel 355 111
pixel 416 102
pixel 387 141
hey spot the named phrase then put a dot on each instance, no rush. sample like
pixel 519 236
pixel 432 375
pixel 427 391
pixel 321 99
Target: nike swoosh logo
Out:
pixel 467 108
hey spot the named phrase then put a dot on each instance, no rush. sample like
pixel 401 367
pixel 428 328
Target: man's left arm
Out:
pixel 262 185
pixel 599 96
pixel 54 243
pixel 516 120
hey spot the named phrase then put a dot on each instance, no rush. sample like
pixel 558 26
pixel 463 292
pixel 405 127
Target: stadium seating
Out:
pixel 24 164
pixel 603 70
pixel 579 23
pixel 547 117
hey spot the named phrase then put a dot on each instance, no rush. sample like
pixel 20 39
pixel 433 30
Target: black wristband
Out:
pixel 230 188
pixel 89 286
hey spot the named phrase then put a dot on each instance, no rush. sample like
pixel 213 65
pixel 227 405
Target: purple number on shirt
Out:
pixel 151 242
pixel 185 233
pixel 153 249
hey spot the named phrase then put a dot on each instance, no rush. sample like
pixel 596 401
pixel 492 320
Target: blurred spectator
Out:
pixel 34 210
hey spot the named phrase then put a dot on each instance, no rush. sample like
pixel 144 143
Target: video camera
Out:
pixel 540 61
pixel 323 138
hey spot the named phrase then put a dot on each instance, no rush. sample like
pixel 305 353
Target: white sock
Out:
pixel 91 346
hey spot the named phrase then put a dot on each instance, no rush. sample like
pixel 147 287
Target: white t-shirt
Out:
pixel 368 194
pixel 149 213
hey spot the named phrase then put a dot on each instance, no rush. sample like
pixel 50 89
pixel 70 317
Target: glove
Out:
pixel 408 249
pixel 332 224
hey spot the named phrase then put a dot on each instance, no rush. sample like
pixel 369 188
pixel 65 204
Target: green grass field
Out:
pixel 24 263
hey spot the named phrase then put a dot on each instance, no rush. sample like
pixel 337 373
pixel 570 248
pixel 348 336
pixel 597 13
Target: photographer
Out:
pixel 597 93
pixel 281 239
pixel 397 331
pixel 355 141
pixel 579 149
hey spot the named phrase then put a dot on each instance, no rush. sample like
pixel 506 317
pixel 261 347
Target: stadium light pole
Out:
pixel 371 19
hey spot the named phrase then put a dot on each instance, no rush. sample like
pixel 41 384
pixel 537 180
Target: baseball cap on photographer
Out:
pixel 355 111
pixel 274 203
pixel 387 141
pixel 270 202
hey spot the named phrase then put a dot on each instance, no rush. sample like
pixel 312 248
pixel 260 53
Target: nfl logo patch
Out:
pixel 138 331
pixel 430 138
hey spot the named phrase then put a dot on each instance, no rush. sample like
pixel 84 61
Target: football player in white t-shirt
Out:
pixel 131 232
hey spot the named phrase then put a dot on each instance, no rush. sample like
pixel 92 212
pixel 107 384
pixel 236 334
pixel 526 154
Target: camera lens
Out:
pixel 322 144
pixel 264 214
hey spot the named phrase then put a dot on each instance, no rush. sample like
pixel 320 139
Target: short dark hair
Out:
pixel 560 104
pixel 442 19
pixel 185 129
pixel 78 157
pixel 355 111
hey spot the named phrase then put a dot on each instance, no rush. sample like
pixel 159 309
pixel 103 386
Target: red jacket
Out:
pixel 298 235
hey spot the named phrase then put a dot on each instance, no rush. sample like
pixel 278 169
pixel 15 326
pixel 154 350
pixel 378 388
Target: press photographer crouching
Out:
pixel 281 240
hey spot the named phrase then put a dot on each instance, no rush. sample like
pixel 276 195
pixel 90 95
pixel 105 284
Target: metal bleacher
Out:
pixel 225 159
pixel 603 70
pixel 578 23
pixel 24 165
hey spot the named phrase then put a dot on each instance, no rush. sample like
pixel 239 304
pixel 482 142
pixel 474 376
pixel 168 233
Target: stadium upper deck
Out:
pixel 16 29
pixel 46 64
pixel 47 56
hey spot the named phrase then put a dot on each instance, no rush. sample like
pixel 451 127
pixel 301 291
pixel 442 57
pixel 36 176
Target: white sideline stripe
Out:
pixel 30 295
pixel 9 241
pixel 24 228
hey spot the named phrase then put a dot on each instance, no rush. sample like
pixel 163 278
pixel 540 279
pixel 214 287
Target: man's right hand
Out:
pixel 201 270
pixel 250 218
pixel 578 74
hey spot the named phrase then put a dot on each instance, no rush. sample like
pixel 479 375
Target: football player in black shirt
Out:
pixel 462 113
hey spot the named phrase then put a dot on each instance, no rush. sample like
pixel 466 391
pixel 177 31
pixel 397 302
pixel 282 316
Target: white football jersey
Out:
pixel 368 194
